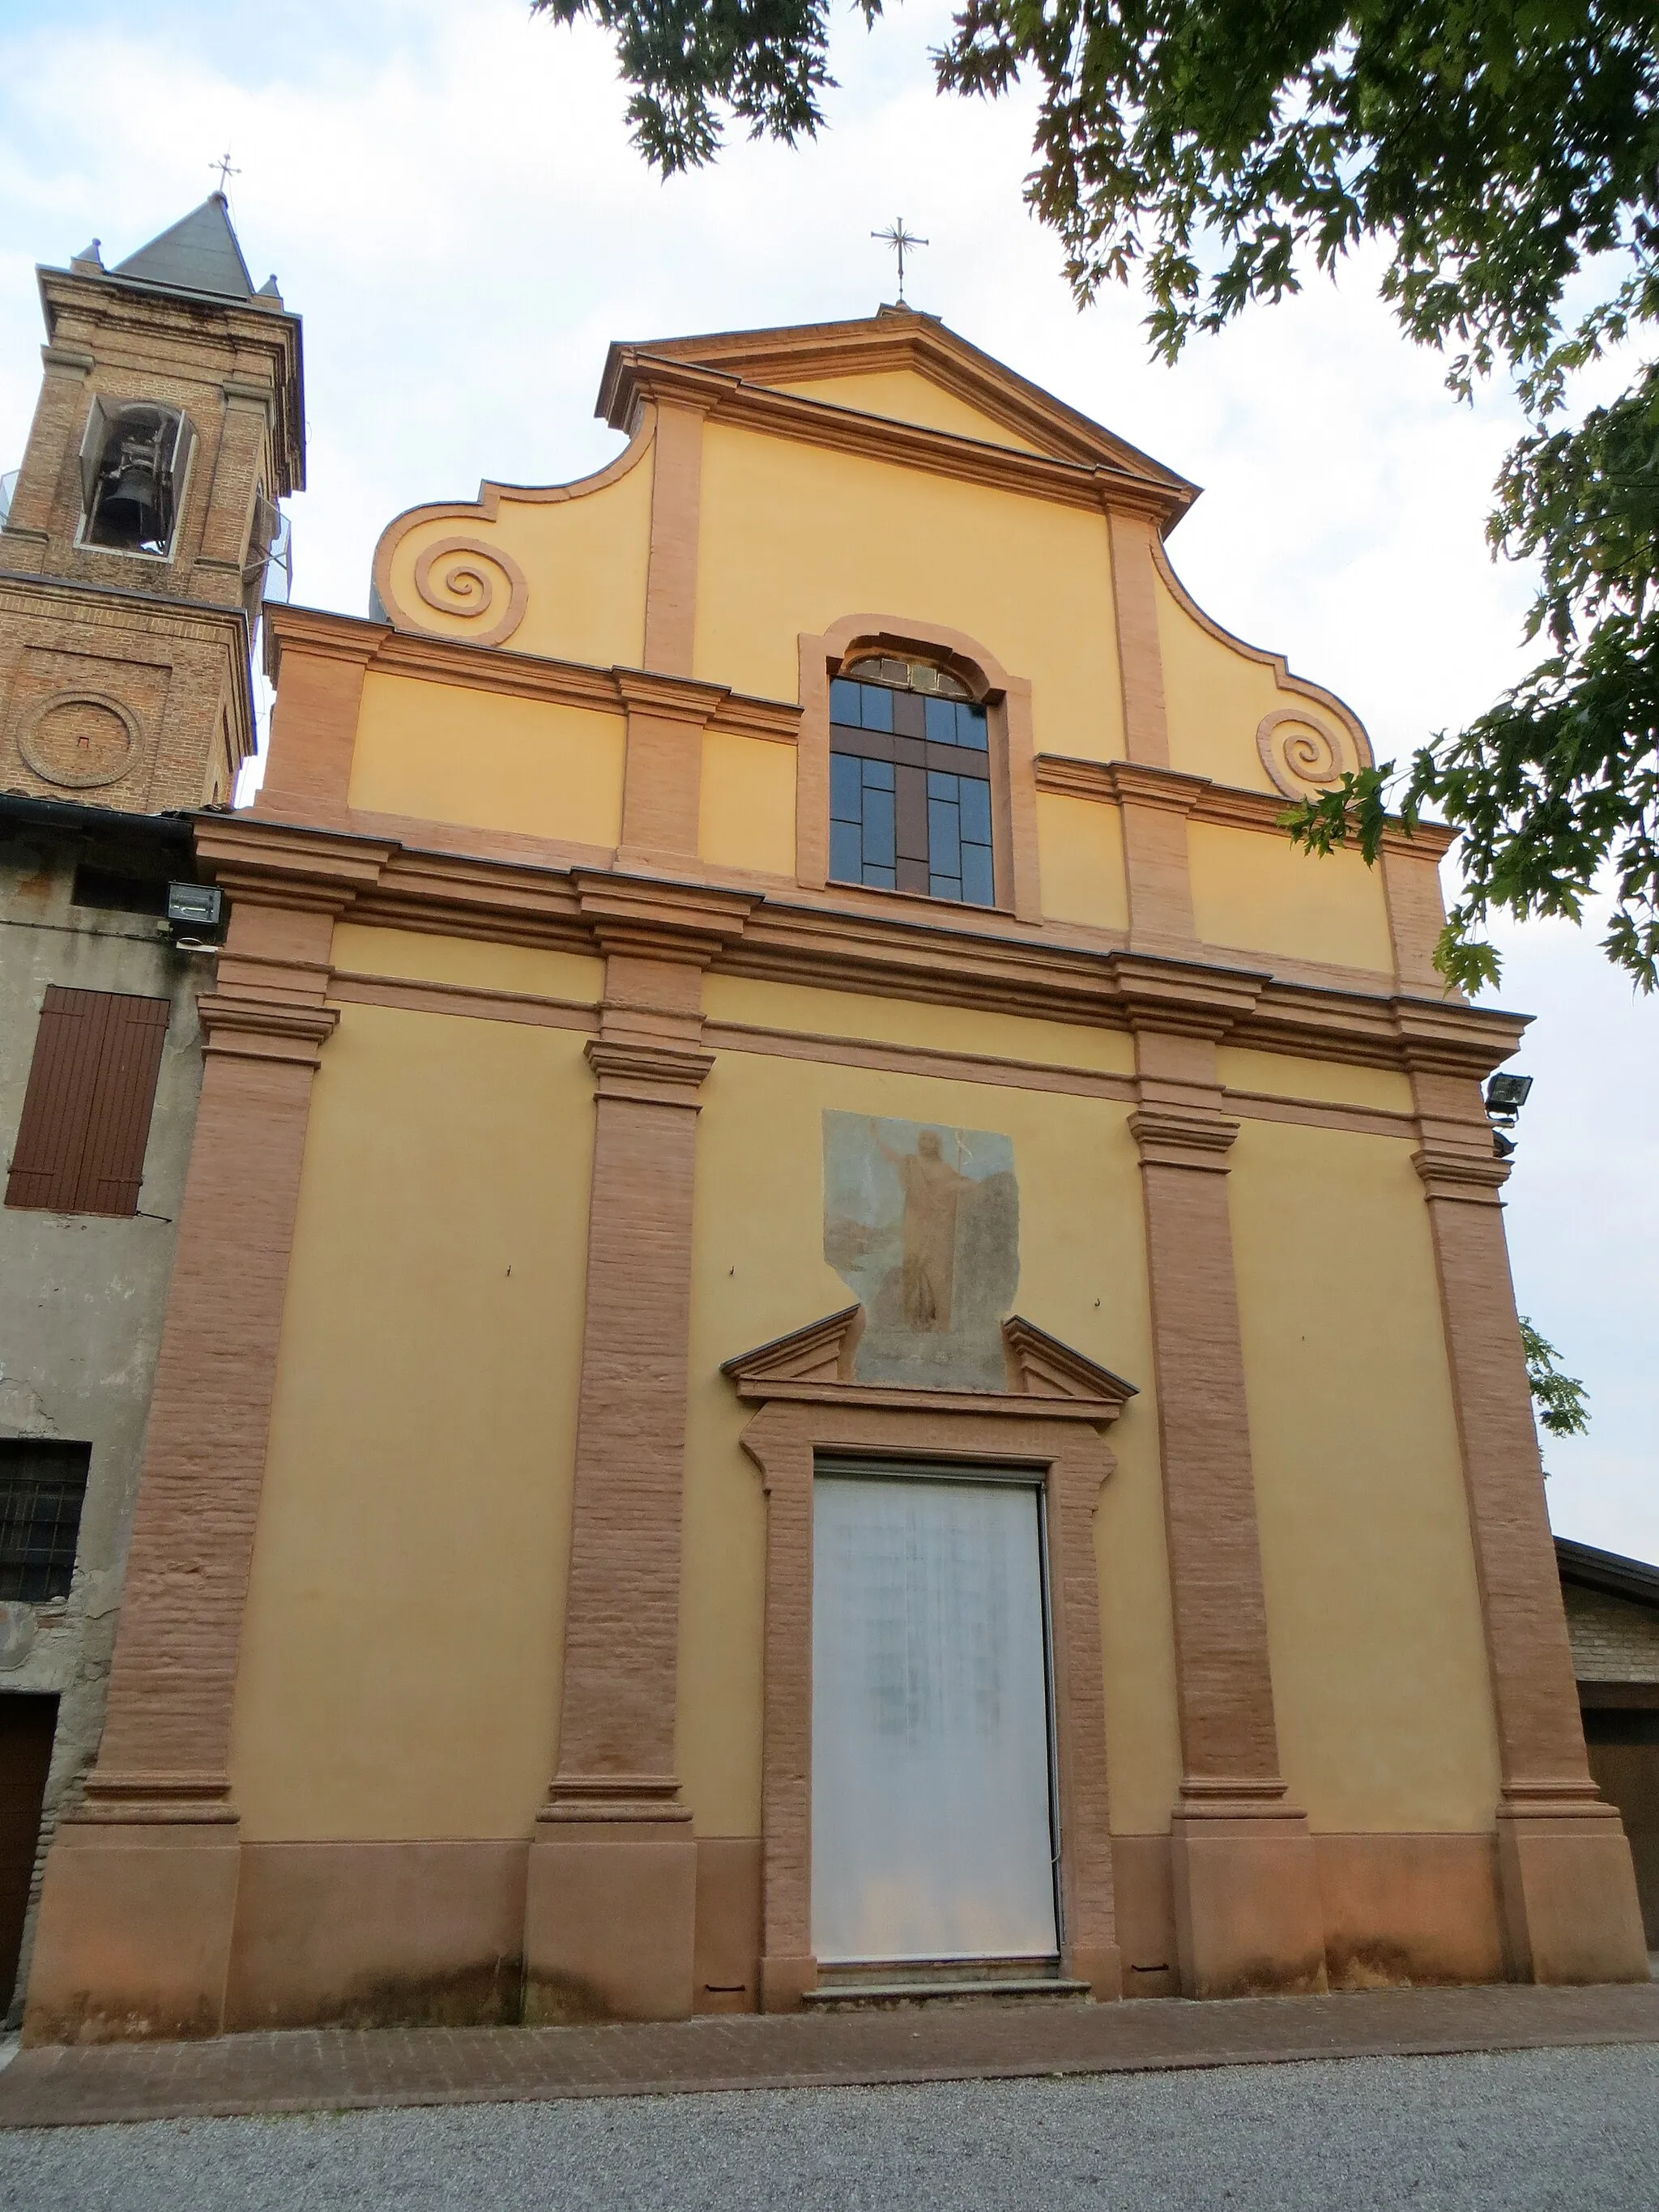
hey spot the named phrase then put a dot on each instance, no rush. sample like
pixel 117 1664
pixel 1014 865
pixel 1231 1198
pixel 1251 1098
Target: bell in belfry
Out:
pixel 133 494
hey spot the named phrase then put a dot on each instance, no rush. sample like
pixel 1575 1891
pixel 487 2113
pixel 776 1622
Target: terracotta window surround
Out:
pixel 1051 1418
pixel 1007 701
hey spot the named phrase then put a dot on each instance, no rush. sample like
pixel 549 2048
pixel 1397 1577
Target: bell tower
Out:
pixel 143 532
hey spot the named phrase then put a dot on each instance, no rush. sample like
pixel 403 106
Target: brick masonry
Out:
pixel 1612 1640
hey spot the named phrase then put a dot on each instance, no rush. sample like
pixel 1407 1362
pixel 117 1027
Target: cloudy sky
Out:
pixel 446 193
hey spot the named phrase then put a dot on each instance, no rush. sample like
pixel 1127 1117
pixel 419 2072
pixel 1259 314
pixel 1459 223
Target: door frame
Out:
pixel 1050 1424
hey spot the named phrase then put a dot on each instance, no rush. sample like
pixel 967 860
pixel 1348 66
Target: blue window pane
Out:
pixel 978 886
pixel 944 852
pixel 946 886
pixel 975 799
pixel 877 775
pixel 877 704
pixel 970 727
pixel 846 852
pixel 880 850
pixel 943 787
pixel 844 702
pixel 845 784
pixel 941 720
pixel 881 879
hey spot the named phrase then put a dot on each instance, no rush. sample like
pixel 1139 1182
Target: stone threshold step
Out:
pixel 858 1997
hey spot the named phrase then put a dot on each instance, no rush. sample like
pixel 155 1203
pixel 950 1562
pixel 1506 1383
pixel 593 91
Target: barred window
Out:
pixel 909 782
pixel 43 1487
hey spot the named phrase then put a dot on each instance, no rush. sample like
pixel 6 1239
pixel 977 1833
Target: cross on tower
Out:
pixel 899 238
pixel 226 171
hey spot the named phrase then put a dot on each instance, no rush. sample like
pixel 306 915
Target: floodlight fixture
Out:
pixel 1505 1096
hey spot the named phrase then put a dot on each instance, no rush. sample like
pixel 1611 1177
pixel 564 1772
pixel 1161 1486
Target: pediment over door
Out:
pixel 819 1362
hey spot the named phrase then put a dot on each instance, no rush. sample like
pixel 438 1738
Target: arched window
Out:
pixel 909 782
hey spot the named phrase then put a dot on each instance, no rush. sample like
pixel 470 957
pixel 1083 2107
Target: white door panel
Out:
pixel 931 1832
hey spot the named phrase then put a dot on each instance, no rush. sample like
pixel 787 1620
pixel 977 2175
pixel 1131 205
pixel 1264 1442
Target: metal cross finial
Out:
pixel 226 171
pixel 898 238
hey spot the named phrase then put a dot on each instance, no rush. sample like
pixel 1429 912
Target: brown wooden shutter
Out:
pixel 86 1113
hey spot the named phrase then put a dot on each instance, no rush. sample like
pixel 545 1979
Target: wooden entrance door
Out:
pixel 932 1825
pixel 26 1727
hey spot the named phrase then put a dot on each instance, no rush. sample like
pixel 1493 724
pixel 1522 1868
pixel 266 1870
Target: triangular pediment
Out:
pixel 818 1361
pixel 821 1353
pixel 1040 1366
pixel 901 365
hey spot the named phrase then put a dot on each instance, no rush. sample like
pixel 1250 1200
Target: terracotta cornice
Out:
pixel 679 698
pixel 653 918
pixel 1183 998
pixel 464 662
pixel 1438 1038
pixel 252 856
pixel 756 407
pixel 896 337
pixel 1205 800
pixel 978 963
pixel 1167 1137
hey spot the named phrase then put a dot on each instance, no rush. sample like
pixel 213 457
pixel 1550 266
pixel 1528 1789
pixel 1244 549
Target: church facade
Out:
pixel 836 1328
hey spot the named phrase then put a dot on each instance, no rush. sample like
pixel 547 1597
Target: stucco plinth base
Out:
pixel 1101 1967
pixel 133 1936
pixel 785 1982
pixel 610 1921
pixel 1570 1911
pixel 378 1934
pixel 1248 1920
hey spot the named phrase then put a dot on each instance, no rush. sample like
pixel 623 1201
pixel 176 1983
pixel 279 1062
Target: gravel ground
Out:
pixel 1534 2128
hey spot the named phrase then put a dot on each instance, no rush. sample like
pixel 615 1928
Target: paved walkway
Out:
pixel 340 2069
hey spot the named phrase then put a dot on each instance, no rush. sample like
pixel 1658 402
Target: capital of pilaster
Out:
pixel 242 1025
pixel 1459 1172
pixel 1167 1137
pixel 651 1072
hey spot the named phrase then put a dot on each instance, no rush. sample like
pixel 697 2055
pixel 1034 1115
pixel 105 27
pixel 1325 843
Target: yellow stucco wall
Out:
pixel 584 557
pixel 469 962
pixel 1261 893
pixel 759 1271
pixel 905 397
pixel 800 1012
pixel 447 753
pixel 1080 845
pixel 1214 698
pixel 401 1653
pixel 793 538
pixel 746 803
pixel 1379 1667
pixel 1287 1075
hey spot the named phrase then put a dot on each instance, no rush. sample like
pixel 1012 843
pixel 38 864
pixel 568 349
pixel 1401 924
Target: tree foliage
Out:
pixel 1560 1401
pixel 1503 154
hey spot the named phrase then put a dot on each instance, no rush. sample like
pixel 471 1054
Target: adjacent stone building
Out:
pixel 133 563
pixel 833 1324
pixel 1612 1620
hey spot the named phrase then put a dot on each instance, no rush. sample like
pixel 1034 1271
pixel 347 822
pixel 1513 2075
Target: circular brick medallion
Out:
pixel 79 739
